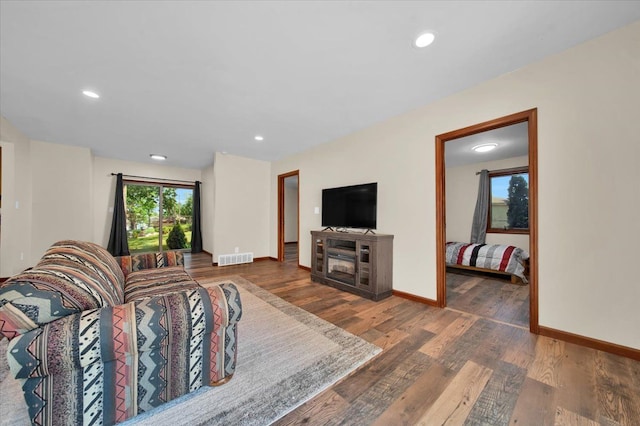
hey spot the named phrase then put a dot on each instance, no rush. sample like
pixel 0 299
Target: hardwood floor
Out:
pixel 291 253
pixel 443 366
pixel 489 297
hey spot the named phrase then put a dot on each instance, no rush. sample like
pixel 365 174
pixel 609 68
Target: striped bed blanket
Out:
pixel 502 258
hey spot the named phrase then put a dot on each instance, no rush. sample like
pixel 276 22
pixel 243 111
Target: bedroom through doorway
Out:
pixel 486 185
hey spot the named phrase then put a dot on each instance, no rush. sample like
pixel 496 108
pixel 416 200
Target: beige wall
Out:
pixel 462 192
pixel 63 192
pixel 104 188
pixel 290 214
pixel 587 100
pixel 15 232
pixel 241 206
pixel 207 194
pixel 61 195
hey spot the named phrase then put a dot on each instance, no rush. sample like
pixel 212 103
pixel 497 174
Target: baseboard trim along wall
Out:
pixel 415 298
pixel 306 268
pixel 600 345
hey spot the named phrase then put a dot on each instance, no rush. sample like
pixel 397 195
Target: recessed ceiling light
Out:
pixel 158 157
pixel 485 147
pixel 259 138
pixel 425 39
pixel 90 94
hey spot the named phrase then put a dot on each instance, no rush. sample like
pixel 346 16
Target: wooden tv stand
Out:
pixel 354 262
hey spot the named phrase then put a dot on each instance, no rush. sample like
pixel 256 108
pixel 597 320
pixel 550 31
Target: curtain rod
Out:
pixel 152 178
pixel 512 169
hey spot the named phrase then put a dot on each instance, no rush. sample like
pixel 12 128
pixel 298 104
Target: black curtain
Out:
pixel 196 230
pixel 118 245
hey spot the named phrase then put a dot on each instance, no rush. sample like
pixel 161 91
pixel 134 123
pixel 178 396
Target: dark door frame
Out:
pixel 531 117
pixel 281 179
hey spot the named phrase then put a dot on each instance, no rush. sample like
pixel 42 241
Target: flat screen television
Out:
pixel 350 206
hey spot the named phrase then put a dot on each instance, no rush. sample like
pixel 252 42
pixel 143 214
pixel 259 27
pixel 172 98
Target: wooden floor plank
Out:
pixel 536 404
pixel 457 400
pixel 578 372
pixel 450 334
pixel 373 401
pixel 548 359
pixel 568 418
pixel 411 404
pixel 615 390
pixel 325 408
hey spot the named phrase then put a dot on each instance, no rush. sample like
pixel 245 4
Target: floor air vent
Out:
pixel 234 259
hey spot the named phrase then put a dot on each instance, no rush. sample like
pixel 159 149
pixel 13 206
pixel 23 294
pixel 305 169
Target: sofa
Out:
pixel 97 339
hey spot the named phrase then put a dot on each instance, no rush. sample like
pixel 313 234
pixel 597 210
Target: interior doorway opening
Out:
pixel 289 217
pixel 528 119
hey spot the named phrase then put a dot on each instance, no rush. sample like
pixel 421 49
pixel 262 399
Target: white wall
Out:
pixel 461 194
pixel 290 214
pixel 104 188
pixel 588 101
pixel 241 206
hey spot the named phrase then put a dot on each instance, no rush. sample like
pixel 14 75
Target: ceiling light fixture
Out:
pixel 90 94
pixel 158 157
pixel 485 147
pixel 424 40
pixel 258 138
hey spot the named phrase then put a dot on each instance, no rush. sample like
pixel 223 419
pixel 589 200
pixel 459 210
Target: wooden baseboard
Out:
pixel 306 268
pixel 589 342
pixel 273 258
pixel 206 252
pixel 415 298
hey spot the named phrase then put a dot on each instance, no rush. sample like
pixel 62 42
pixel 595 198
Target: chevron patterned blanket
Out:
pixel 496 257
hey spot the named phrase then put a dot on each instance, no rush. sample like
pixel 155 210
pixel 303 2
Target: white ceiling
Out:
pixel 189 78
pixel 512 141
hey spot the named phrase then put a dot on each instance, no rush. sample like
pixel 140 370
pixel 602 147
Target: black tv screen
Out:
pixel 350 206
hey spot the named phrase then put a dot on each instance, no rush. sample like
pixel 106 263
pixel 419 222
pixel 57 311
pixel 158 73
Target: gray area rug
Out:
pixel 286 356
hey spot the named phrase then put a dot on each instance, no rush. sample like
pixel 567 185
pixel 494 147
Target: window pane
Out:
pixel 177 208
pixel 143 216
pixel 510 201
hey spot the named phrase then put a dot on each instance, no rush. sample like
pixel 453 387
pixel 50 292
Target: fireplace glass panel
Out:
pixel 342 268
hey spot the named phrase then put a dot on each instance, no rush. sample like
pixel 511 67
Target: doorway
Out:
pixel 528 120
pixel 289 217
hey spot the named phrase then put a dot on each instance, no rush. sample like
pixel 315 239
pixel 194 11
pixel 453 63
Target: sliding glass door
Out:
pixel 158 216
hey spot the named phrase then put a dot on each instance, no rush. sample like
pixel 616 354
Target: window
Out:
pixel 153 211
pixel 509 201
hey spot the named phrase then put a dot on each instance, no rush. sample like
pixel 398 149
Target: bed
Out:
pixel 496 258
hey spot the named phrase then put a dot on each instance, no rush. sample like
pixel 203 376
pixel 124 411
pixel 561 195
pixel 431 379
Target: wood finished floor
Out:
pixel 489 297
pixel 442 366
